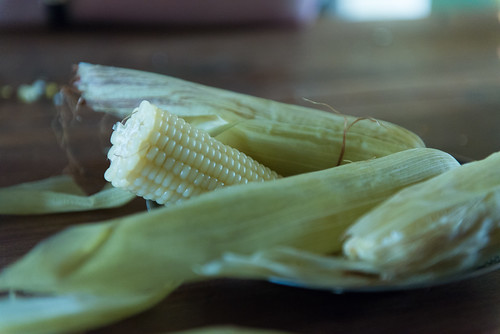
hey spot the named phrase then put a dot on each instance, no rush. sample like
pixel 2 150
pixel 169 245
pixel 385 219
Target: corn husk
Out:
pixel 144 256
pixel 448 224
pixel 70 312
pixel 291 266
pixel 58 194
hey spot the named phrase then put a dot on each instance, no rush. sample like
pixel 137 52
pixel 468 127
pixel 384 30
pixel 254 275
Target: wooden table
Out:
pixel 439 77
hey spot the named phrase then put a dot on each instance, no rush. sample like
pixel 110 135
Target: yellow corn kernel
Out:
pixel 441 226
pixel 160 157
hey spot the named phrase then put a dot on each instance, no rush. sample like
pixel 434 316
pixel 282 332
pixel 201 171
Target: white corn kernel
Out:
pixel 161 157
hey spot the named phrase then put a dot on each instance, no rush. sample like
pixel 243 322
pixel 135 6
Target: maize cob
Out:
pixel 445 225
pixel 289 139
pixel 160 157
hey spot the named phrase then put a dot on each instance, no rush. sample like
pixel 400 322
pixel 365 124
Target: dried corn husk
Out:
pixel 57 194
pixel 292 266
pixel 144 256
pixel 445 225
pixel 70 312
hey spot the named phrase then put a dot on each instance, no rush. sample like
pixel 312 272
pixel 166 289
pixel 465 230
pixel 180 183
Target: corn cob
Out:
pixel 445 225
pixel 289 139
pixel 160 157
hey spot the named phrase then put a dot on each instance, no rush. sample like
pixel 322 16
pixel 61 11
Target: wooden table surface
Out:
pixel 439 77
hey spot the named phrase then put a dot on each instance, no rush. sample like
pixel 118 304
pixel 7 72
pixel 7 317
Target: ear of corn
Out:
pixel 308 211
pixel 151 252
pixel 444 225
pixel 159 156
pixel 290 139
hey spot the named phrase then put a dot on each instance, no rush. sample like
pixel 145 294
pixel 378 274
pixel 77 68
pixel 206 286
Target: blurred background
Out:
pixel 429 65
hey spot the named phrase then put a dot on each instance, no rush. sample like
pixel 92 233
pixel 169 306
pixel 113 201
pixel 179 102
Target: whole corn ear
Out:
pixel 289 139
pixel 151 252
pixel 308 211
pixel 447 224
pixel 159 156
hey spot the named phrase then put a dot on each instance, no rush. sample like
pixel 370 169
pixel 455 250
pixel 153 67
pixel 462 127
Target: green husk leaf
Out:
pixel 295 267
pixel 58 194
pixel 64 313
